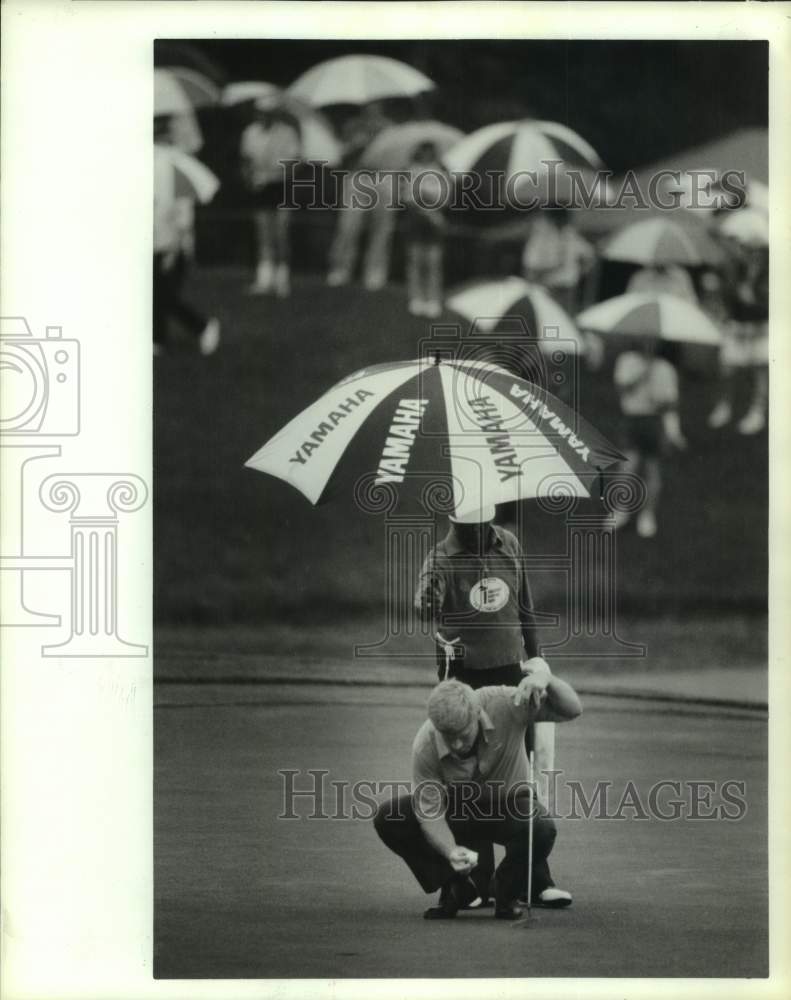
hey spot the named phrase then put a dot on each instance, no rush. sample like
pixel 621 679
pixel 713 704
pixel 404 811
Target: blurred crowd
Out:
pixel 698 275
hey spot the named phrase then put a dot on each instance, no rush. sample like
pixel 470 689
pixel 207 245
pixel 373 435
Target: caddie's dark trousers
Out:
pixel 168 301
pixel 399 829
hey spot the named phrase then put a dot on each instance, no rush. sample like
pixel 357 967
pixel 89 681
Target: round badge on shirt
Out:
pixel 489 594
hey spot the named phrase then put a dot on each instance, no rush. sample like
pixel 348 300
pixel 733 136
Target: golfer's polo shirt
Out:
pixel 482 600
pixel 500 758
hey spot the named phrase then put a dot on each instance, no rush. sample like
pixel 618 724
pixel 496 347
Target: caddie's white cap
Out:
pixel 481 516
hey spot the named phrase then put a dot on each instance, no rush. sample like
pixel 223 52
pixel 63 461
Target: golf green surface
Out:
pixel 240 893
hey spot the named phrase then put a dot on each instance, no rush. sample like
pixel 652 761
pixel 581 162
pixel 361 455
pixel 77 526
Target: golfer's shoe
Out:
pixel 508 911
pixel 753 422
pixel 720 415
pixel 553 898
pixel 210 338
pixel 456 894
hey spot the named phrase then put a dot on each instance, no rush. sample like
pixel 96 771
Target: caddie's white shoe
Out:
pixel 553 897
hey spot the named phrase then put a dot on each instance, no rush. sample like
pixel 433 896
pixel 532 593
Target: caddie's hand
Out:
pixel 537 668
pixel 462 860
pixel 532 690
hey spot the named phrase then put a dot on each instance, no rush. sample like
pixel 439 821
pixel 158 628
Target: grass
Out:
pixel 235 546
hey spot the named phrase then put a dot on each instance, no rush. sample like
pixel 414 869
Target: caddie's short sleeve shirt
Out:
pixel 480 599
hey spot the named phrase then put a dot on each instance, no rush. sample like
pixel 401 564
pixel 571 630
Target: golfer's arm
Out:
pixel 438 834
pixel 561 703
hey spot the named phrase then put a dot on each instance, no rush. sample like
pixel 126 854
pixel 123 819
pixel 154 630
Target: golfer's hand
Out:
pixel 532 690
pixel 462 860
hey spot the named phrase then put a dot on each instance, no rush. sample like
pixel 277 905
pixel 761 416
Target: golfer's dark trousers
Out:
pixel 168 301
pixel 474 822
pixel 509 674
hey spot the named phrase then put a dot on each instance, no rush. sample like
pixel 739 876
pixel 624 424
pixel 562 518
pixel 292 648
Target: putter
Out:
pixel 527 920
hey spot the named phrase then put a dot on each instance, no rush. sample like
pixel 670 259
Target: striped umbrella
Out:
pixel 453 435
pixel 657 242
pixel 200 90
pixel 666 317
pixel 494 305
pixel 512 147
pixel 358 79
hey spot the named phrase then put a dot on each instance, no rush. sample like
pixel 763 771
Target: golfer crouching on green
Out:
pixel 470 787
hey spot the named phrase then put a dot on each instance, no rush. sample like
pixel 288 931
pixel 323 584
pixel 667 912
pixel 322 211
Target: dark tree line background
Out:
pixel 634 101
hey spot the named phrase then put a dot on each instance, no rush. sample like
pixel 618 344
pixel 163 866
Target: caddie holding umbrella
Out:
pixel 474 591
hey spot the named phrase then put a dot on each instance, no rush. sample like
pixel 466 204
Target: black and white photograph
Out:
pixel 460 396
pixel 393 569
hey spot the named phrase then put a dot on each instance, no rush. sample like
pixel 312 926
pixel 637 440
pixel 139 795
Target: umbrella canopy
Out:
pixel 666 317
pixel 394 147
pixel 748 226
pixel 413 430
pixel 200 90
pixel 246 90
pixel 491 303
pixel 189 178
pixel 358 79
pixel 657 242
pixel 170 98
pixel 316 134
pixel 512 147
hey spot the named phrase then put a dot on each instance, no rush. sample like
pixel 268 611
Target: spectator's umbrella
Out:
pixel 659 242
pixel 452 436
pixel 394 147
pixel 200 90
pixel 748 226
pixel 316 136
pixel 493 305
pixel 666 317
pixel 358 79
pixel 170 98
pixel 246 90
pixel 513 147
pixel 190 178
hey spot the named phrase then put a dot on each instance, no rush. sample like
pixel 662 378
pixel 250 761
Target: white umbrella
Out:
pixel 748 226
pixel 358 79
pixel 644 314
pixel 190 178
pixel 318 141
pixel 247 90
pixel 394 146
pixel 471 430
pixel 170 98
pixel 200 90
pixel 658 242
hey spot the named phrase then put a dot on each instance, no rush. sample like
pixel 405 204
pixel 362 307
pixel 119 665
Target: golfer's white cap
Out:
pixel 481 516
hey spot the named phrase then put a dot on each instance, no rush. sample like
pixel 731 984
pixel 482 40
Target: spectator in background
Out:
pixel 647 387
pixel 173 249
pixel 746 342
pixel 425 228
pixel 556 256
pixel 356 136
pixel 265 144
pixel 668 279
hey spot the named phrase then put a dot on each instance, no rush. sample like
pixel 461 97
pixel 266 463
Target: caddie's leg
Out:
pixel 544 759
pixel 513 832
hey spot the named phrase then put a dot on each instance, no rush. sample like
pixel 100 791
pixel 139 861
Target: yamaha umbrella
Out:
pixel 646 314
pixel 452 435
pixel 358 79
